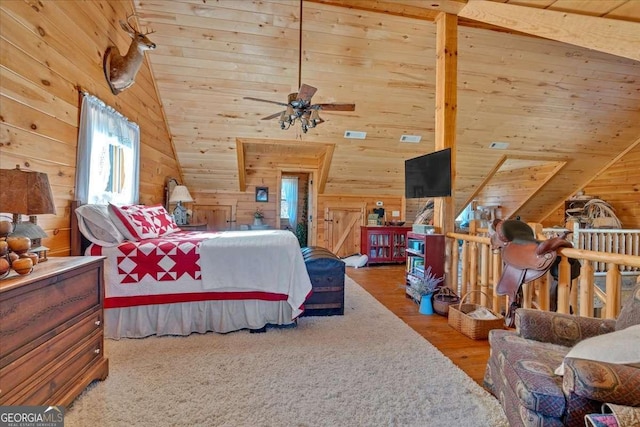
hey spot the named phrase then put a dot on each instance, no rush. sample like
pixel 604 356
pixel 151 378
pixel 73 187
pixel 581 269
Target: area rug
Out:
pixel 366 368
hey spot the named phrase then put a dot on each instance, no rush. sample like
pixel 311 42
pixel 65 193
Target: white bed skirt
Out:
pixel 188 317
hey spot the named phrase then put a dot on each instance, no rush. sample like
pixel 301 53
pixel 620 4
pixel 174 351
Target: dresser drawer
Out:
pixel 29 318
pixel 61 374
pixel 19 375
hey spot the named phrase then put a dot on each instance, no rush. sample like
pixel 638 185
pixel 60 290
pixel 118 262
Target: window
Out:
pixel 289 199
pixel 108 155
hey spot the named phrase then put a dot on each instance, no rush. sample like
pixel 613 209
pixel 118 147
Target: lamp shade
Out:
pixel 25 192
pixel 180 194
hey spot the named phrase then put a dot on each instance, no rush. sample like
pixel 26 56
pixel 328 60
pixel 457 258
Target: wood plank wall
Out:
pixel 48 50
pixel 618 185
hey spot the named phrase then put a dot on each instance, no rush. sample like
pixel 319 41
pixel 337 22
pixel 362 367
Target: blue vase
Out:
pixel 426 306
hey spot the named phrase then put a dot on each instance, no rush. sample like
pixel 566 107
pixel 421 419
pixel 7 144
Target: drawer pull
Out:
pixel 97 323
pixel 96 351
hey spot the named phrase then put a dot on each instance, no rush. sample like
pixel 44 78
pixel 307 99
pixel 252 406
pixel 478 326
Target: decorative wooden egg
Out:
pixel 22 265
pixel 19 244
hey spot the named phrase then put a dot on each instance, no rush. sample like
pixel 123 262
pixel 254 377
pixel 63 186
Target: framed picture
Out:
pixel 262 194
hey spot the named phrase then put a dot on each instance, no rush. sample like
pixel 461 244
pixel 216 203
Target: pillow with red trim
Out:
pixel 133 222
pixel 162 221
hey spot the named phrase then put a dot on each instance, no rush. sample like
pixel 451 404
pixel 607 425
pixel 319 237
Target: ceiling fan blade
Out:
pixel 273 116
pixel 306 92
pixel 265 100
pixel 335 107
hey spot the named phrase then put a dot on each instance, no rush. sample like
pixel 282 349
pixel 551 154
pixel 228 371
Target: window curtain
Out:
pixel 108 163
pixel 290 190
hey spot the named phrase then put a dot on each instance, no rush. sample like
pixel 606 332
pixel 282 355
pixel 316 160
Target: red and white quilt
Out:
pixel 167 270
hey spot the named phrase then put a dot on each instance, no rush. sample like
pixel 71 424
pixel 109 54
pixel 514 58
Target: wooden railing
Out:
pixel 473 265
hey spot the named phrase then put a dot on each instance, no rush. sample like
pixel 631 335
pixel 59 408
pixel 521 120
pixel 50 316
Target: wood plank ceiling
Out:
pixel 552 102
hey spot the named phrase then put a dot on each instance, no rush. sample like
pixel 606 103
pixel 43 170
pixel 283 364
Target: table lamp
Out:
pixel 180 194
pixel 27 193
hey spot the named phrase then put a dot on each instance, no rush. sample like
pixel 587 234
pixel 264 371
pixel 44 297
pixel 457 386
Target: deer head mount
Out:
pixel 120 71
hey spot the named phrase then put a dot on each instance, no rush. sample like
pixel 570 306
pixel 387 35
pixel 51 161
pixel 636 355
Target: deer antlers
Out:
pixel 120 71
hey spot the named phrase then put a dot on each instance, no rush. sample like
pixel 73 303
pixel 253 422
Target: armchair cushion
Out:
pixel 621 347
pixel 561 329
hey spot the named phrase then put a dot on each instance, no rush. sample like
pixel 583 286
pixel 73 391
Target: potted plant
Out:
pixel 258 217
pixel 424 287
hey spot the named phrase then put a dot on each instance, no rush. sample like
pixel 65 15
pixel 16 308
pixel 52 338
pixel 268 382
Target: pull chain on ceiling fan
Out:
pixel 298 106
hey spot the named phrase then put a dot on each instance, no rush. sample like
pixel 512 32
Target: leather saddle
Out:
pixel 524 259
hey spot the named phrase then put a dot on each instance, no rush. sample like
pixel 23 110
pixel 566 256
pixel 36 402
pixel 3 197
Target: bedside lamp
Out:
pixel 28 193
pixel 180 194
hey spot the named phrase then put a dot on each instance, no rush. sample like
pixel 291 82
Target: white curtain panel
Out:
pixel 290 190
pixel 108 155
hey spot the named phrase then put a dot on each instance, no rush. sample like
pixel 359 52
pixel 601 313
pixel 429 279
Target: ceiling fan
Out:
pixel 299 106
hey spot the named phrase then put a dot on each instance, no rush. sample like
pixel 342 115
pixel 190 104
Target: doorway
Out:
pixel 303 225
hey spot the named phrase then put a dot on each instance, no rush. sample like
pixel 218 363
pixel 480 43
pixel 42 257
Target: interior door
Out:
pixel 217 217
pixel 343 230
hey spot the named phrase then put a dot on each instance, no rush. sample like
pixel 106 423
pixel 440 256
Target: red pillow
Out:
pixel 162 221
pixel 133 222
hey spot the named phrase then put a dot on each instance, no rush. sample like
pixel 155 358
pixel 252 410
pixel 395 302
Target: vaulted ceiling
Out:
pixel 551 101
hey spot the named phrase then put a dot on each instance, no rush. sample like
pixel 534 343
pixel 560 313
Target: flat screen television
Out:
pixel 428 175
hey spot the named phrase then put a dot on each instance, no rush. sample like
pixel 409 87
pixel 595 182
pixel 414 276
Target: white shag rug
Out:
pixel 366 368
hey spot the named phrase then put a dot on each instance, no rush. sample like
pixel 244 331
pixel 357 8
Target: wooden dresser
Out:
pixel 51 332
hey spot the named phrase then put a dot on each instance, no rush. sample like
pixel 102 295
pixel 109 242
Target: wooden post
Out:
pixel 613 283
pixel 496 261
pixel 454 265
pixel 446 109
pixel 484 276
pixel 473 271
pixel 585 283
pixel 564 281
pixel 464 282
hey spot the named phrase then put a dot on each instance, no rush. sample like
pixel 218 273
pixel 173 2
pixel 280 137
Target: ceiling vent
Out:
pixel 352 134
pixel 410 138
pixel 499 145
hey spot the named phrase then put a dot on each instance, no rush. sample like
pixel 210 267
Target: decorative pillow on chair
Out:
pixel 162 221
pixel 622 347
pixel 133 222
pixel 96 225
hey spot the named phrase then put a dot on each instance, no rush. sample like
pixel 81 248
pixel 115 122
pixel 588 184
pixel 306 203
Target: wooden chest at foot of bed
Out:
pixel 326 272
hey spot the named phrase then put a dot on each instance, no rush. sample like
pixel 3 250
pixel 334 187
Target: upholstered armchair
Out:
pixel 600 359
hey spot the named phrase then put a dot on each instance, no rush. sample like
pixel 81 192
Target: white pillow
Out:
pixel 356 261
pixel 622 347
pixel 96 225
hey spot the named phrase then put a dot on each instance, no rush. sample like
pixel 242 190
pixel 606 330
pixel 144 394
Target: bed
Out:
pixel 160 280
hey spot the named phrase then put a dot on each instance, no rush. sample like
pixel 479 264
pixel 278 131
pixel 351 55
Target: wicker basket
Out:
pixel 477 329
pixel 443 299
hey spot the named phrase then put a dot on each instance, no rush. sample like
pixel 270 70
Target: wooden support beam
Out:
pixel 616 37
pixel 446 109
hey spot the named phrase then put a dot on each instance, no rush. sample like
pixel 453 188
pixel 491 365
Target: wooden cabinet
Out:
pixel 384 244
pixel 51 332
pixel 423 251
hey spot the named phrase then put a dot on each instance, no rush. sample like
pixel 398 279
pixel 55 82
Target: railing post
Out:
pixel 613 283
pixel 464 282
pixel 543 292
pixel 484 276
pixel 586 288
pixel 453 283
pixel 496 273
pixel 473 270
pixel 564 281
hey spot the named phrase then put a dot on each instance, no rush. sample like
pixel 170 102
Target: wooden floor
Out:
pixel 385 283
